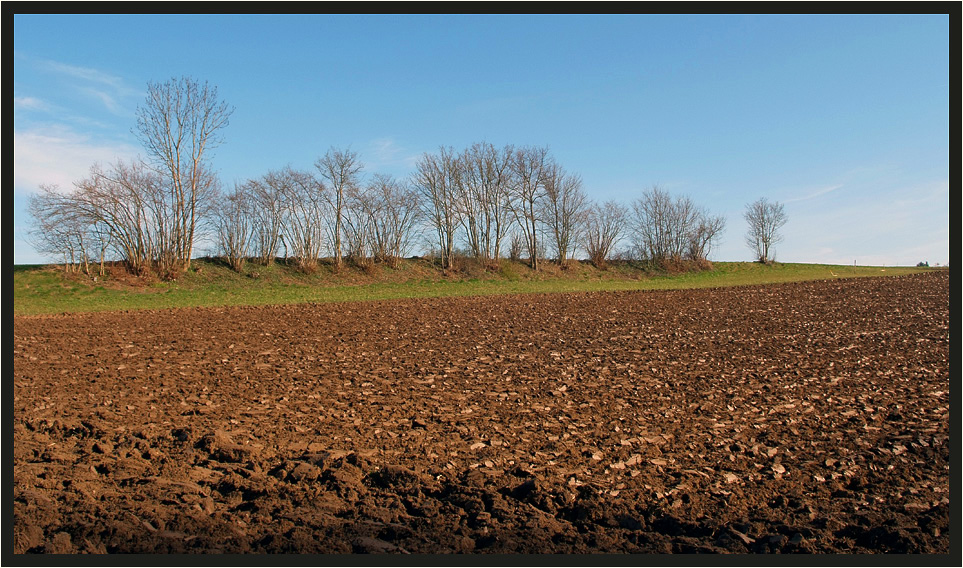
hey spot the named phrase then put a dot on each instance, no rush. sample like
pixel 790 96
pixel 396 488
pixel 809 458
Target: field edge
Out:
pixel 47 289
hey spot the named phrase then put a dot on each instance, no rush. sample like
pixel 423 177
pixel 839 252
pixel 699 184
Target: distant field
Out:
pixel 40 289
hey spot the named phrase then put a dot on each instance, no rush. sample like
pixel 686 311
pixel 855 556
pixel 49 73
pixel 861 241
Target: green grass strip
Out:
pixel 48 290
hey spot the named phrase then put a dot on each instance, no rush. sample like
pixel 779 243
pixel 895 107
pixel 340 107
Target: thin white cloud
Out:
pixel 386 153
pixel 55 139
pixel 110 90
pixel 384 149
pixel 108 99
pixel 812 194
pixel 84 73
pixel 59 156
pixel 35 113
pixel 30 103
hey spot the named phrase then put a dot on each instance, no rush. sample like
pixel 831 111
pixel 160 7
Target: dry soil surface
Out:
pixel 810 417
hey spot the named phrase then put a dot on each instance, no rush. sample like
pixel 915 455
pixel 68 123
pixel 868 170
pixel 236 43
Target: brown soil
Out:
pixel 808 417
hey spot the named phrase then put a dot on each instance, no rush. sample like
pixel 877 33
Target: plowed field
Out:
pixel 809 417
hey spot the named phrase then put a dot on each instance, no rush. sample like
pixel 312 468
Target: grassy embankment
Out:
pixel 46 289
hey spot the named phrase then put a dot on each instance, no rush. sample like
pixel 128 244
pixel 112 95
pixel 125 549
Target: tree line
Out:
pixel 483 202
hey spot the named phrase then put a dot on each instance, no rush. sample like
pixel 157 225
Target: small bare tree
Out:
pixel 130 202
pixel 605 226
pixel 358 227
pixel 765 218
pixel 267 218
pixel 667 229
pixel 234 226
pixel 303 206
pixel 515 247
pixel 394 211
pixel 60 227
pixel 654 226
pixel 707 231
pixel 469 202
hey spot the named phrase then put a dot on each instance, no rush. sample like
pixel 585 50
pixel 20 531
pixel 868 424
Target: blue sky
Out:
pixel 842 118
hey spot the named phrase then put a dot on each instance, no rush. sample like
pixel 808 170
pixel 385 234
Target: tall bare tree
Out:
pixel 486 176
pixel 529 167
pixel 179 125
pixel 605 225
pixel 340 169
pixel 565 207
pixel 436 179
pixel 765 218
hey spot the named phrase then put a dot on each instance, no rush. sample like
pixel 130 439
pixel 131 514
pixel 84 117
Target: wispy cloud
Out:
pixel 386 154
pixel 58 155
pixel 59 135
pixel 110 90
pixel 30 103
pixel 108 99
pixel 85 73
pixel 384 149
pixel 812 194
pixel 33 111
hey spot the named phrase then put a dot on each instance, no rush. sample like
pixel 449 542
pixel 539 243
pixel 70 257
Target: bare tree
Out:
pixel 529 167
pixel 565 207
pixel 359 215
pixel 179 125
pixel 707 231
pixel 130 202
pixel 765 218
pixel 469 202
pixel 100 238
pixel 486 210
pixel 653 224
pixel 340 169
pixel 267 218
pixel 60 228
pixel 303 202
pixel 672 229
pixel 234 226
pixel 436 179
pixel 394 212
pixel 604 227
pixel 515 247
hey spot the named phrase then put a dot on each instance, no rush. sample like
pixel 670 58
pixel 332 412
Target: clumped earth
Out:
pixel 795 418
